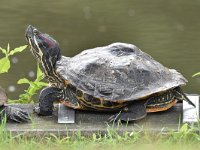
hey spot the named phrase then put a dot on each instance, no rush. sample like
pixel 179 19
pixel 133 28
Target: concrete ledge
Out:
pixel 90 122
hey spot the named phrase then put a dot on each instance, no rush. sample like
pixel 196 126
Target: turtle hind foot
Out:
pixel 15 114
pixel 133 112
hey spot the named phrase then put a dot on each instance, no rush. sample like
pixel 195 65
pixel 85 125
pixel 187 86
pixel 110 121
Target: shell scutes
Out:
pixel 118 72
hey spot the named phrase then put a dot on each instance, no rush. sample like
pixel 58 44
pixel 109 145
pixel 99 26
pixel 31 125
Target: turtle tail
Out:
pixel 180 96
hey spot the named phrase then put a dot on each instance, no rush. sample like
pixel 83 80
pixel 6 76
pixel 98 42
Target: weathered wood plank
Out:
pixel 90 122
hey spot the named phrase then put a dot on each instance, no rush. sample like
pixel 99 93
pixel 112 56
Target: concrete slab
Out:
pixel 90 122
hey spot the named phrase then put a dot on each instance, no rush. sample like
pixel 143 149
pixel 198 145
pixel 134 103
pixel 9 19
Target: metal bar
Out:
pixel 190 113
pixel 65 114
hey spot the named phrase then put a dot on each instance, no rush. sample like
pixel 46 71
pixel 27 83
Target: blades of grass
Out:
pixel 184 128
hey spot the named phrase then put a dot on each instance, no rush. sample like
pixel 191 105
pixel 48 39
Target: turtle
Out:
pixel 11 113
pixel 117 78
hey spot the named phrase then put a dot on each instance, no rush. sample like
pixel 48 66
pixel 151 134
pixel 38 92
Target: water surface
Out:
pixel 167 30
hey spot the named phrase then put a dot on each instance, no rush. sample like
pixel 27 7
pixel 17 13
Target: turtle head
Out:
pixel 44 48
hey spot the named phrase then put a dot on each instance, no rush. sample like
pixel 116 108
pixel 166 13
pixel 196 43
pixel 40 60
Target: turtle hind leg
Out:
pixel 179 95
pixel 47 97
pixel 132 112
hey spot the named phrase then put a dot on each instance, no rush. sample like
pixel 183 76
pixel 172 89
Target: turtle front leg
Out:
pixel 46 99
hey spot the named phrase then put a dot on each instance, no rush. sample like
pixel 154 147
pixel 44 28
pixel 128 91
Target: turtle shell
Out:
pixel 118 71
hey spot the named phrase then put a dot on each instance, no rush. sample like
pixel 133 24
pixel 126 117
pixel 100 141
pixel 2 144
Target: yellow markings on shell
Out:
pixel 156 109
pixel 101 106
pixel 167 102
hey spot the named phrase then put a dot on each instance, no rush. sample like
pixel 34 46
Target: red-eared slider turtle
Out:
pixel 11 113
pixel 118 77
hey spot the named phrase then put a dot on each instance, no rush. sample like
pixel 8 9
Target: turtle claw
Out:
pixel 36 110
pixel 114 118
pixel 111 118
pixel 16 114
pixel 41 112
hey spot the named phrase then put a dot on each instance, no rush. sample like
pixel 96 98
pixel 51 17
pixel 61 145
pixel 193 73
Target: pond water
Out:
pixel 167 30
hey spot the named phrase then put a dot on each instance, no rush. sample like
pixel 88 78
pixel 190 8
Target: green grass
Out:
pixel 187 137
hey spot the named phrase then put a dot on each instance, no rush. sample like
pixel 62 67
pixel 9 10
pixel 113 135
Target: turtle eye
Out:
pixel 35 31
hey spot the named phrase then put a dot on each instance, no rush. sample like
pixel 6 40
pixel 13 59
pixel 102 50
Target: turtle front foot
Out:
pixel 42 112
pixel 15 114
pixel 47 96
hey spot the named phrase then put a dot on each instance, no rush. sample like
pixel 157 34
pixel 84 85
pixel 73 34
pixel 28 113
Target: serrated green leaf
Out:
pixel 196 74
pixel 4 65
pixel 22 81
pixel 33 84
pixel 17 50
pixel 3 51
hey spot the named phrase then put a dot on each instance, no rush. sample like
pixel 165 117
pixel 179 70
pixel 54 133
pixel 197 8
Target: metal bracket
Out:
pixel 191 114
pixel 65 114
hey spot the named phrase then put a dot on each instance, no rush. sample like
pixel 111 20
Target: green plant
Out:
pixel 186 138
pixel 5 61
pixel 196 74
pixel 34 86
